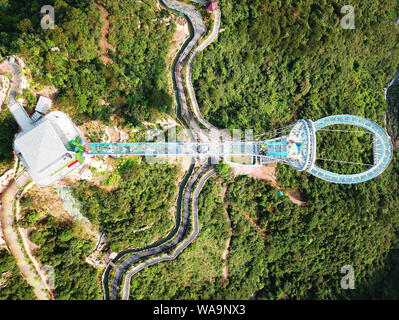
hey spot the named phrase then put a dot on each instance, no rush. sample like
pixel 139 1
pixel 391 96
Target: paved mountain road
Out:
pixel 179 240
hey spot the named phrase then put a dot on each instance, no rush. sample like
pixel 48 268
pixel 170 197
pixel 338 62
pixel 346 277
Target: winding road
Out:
pixel 202 176
pixel 192 185
pixel 201 47
pixel 9 209
pixel 11 236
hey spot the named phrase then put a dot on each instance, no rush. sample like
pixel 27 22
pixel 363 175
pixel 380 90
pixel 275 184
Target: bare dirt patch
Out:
pixel 4 86
pixel 265 172
pixel 5 67
pixel 257 227
pixel 225 253
pixel 48 91
pixel 268 173
pixel 296 197
pixel 104 43
pixel 180 35
pixel 46 200
pixel 96 131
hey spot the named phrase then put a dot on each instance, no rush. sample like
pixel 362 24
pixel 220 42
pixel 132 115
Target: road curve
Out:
pixel 169 245
pixel 209 172
pixel 213 36
pixel 173 239
pixel 198 30
pixel 11 237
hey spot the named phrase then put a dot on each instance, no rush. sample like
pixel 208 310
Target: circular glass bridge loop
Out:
pixel 382 150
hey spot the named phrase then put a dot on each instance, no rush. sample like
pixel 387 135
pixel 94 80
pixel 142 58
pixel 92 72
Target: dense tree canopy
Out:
pixel 135 84
pixel 275 62
pixel 278 61
pixel 12 285
pixel 138 211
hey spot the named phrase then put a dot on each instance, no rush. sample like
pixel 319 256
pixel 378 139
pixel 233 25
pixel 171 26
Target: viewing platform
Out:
pixel 297 149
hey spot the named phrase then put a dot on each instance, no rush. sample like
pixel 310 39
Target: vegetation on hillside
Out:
pixel 12 285
pixel 8 127
pixel 137 211
pixel 197 272
pixel 64 246
pixel 135 85
pixel 276 61
pixel 304 249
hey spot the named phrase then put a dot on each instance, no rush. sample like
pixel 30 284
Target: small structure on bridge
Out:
pixel 212 6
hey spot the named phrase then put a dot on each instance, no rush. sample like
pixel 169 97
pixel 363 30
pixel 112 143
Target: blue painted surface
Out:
pixel 277 143
pixel 277 153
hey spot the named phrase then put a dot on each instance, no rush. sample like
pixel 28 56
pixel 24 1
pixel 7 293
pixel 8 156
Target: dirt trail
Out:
pixel 104 43
pixel 257 227
pixel 225 257
pixel 180 35
pixel 11 238
pixel 225 253
pixel 29 246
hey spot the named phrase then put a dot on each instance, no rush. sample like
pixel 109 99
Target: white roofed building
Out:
pixel 46 148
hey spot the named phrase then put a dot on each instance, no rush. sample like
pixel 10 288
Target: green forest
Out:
pixel 304 65
pixel 12 285
pixel 275 62
pixel 302 253
pixel 278 61
pixel 137 212
pixel 63 246
pixel 135 85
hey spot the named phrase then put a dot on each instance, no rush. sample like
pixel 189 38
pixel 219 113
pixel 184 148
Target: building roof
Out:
pixel 40 147
pixel 211 6
pixel 21 117
pixel 43 105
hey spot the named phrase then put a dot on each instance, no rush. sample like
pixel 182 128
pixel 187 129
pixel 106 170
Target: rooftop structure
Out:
pixel 212 6
pixel 50 148
pixel 21 117
pixel 42 108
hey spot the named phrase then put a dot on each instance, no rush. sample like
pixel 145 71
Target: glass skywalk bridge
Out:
pixel 231 148
pixel 297 149
pixel 382 150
